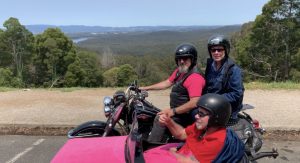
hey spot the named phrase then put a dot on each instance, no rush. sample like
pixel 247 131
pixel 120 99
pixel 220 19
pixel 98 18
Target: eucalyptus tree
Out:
pixel 85 71
pixel 54 52
pixel 119 76
pixel 272 42
pixel 16 41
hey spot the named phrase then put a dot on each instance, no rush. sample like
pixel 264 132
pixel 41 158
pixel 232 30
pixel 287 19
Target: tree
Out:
pixel 241 43
pixel 274 40
pixel 111 77
pixel 5 57
pixel 295 71
pixel 90 63
pixel 119 76
pixel 125 75
pixel 149 69
pixel 7 79
pixel 54 53
pixel 18 42
pixel 75 74
pixel 107 60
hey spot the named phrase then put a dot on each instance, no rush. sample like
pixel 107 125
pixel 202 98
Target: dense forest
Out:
pixel 268 49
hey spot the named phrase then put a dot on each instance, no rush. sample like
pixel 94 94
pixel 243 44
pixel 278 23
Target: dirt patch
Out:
pixel 283 135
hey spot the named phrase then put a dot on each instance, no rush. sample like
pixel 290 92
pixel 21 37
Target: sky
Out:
pixel 125 13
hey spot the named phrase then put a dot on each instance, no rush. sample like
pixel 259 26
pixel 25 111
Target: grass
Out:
pixel 272 85
pixel 71 89
pixel 6 89
pixel 248 86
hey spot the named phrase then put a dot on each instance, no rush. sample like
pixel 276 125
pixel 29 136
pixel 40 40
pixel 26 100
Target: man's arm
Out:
pixel 187 106
pixel 182 108
pixel 176 130
pixel 235 88
pixel 158 86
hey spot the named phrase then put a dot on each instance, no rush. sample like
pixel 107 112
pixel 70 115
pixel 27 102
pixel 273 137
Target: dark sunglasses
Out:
pixel 214 50
pixel 201 114
pixel 182 58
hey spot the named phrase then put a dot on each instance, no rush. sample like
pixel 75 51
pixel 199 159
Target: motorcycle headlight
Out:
pixel 108 102
pixel 107 111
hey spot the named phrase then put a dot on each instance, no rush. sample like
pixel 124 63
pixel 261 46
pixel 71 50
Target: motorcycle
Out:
pixel 250 132
pixel 120 111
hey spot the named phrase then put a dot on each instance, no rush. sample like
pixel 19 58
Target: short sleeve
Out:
pixel 194 84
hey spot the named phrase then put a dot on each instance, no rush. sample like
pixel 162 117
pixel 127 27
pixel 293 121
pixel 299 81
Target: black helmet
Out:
pixel 218 107
pixel 186 50
pixel 219 40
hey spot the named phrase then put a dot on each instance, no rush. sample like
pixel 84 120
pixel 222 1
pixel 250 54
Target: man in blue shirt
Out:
pixel 223 76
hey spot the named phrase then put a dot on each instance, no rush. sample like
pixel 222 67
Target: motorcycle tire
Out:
pixel 91 129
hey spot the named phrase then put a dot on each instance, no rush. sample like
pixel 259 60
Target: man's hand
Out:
pixel 164 119
pixel 169 112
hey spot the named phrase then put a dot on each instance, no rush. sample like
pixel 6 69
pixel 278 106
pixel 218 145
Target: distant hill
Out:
pixel 150 43
pixel 100 29
pixel 142 40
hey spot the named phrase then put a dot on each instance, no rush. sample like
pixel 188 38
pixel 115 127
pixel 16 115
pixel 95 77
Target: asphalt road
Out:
pixel 29 149
pixel 41 149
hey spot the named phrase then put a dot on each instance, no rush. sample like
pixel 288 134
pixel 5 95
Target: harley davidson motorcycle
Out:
pixel 119 111
pixel 125 108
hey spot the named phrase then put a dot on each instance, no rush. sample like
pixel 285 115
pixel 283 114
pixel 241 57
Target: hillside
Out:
pixel 75 29
pixel 142 40
pixel 150 43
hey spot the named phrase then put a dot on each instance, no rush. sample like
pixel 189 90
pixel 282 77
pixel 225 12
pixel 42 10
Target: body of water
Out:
pixel 79 40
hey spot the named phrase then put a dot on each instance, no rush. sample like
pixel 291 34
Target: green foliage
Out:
pixel 273 85
pixel 268 49
pixel 47 60
pixel 119 76
pixel 54 53
pixel 16 44
pixel 159 43
pixel 85 71
pixel 90 63
pixel 149 69
pixel 151 54
pixel 111 77
pixel 5 57
pixel 126 75
pixel 7 79
pixel 75 75
pixel 295 75
pixel 50 59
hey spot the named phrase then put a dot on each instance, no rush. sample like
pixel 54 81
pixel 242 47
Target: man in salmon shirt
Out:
pixel 187 88
pixel 207 140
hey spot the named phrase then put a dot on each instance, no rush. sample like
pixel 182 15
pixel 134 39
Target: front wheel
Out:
pixel 91 129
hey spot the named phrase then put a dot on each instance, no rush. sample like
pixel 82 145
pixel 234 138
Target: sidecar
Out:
pixel 115 149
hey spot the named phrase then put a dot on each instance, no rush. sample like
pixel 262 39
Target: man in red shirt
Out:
pixel 207 140
pixel 187 88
